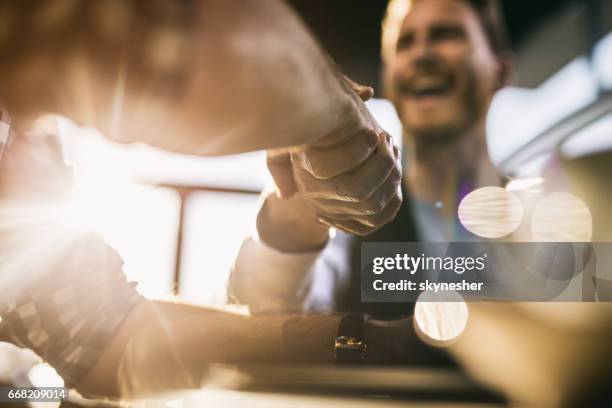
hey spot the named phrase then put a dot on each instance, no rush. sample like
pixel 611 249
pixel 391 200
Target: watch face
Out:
pixel 349 350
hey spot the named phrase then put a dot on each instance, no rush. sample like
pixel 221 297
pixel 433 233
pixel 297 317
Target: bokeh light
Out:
pixel 490 212
pixel 440 317
pixel 561 217
pixel 528 184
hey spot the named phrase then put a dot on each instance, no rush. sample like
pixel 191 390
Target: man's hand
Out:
pixel 350 182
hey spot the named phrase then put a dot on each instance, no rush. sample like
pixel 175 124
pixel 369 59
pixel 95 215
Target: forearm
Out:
pixel 273 272
pixel 164 346
pixel 167 347
pixel 233 76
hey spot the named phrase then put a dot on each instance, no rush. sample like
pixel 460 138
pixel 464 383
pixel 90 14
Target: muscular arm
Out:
pixel 203 77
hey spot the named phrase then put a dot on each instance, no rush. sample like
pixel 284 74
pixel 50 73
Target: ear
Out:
pixel 505 70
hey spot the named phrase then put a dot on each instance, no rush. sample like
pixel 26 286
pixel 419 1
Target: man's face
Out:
pixel 444 72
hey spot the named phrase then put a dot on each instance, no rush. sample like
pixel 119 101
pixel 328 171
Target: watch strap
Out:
pixel 350 346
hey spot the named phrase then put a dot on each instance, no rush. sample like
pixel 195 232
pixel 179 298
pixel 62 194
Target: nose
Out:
pixel 422 48
pixel 422 56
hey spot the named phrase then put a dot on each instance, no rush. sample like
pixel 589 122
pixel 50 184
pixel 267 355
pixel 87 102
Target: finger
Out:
pixel 365 92
pixel 373 205
pixel 281 169
pixel 356 186
pixel 375 220
pixel 352 227
pixel 334 161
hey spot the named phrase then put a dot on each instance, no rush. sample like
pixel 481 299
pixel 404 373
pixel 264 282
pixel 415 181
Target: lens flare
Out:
pixel 490 212
pixel 529 184
pixel 440 317
pixel 561 217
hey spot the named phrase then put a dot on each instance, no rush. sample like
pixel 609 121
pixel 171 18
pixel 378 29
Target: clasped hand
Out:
pixel 350 178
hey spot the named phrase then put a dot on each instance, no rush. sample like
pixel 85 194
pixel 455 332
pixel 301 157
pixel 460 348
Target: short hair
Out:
pixel 489 13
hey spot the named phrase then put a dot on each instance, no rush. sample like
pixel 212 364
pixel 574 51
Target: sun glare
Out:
pixel 96 203
pixel 136 220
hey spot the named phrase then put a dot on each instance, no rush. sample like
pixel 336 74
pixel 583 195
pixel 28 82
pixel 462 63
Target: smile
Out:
pixel 428 87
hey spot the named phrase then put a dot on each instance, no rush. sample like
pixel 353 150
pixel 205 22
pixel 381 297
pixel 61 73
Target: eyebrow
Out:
pixel 447 26
pixel 407 36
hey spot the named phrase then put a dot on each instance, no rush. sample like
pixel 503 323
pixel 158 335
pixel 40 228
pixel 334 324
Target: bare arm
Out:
pixel 165 346
pixel 204 77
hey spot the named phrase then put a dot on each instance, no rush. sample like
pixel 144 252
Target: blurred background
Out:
pixel 178 221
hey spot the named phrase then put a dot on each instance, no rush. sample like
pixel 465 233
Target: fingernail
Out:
pixel 367 90
pixel 371 139
pixel 388 138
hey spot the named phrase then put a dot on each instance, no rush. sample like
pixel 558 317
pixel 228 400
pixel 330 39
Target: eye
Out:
pixel 443 33
pixel 405 41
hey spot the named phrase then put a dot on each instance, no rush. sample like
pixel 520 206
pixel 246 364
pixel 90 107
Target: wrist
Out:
pixel 387 341
pixel 290 225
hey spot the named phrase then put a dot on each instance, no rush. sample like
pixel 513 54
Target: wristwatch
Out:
pixel 350 346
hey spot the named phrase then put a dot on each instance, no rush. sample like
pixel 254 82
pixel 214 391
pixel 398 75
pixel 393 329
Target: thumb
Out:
pixel 281 169
pixel 365 92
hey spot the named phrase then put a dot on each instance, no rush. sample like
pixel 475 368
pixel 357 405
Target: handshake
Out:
pixel 349 179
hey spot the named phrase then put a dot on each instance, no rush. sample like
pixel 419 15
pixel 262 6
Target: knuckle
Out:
pixel 388 160
pixel 396 176
pixel 371 138
pixel 375 206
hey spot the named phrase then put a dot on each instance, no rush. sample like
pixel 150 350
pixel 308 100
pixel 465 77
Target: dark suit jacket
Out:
pixel 402 229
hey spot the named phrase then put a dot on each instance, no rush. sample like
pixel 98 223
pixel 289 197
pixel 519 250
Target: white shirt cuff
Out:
pixel 268 280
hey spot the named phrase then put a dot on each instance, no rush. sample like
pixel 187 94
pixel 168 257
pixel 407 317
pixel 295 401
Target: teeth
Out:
pixel 427 84
pixel 430 85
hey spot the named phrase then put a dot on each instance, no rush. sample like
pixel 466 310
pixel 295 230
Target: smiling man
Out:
pixel 444 61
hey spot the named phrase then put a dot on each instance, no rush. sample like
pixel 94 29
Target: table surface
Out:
pixel 325 386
